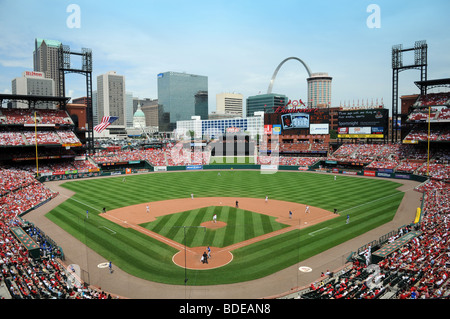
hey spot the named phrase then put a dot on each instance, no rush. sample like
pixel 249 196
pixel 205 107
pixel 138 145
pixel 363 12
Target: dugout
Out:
pixel 391 247
pixel 27 242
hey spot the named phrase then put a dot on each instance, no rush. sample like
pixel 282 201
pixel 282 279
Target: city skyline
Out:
pixel 236 44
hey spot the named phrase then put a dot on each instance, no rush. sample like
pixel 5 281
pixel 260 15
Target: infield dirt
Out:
pixel 133 216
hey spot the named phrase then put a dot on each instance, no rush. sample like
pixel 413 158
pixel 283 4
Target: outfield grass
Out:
pixel 369 202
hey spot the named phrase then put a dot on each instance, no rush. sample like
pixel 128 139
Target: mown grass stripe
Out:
pixel 151 259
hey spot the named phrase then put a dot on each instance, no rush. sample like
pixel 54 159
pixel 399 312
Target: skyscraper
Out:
pixel 46 59
pixel 111 99
pixel 319 90
pixel 180 96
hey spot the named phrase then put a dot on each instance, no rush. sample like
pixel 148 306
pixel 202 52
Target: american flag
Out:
pixel 106 121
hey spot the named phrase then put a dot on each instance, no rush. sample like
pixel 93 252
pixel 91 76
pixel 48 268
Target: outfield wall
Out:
pixel 142 169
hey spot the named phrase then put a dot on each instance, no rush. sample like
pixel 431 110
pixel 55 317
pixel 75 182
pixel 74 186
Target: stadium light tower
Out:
pixel 86 69
pixel 420 62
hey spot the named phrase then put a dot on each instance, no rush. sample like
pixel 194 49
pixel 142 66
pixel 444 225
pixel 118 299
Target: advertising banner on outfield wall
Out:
pixel 194 167
pixel 386 175
pixel 269 167
pixel 369 173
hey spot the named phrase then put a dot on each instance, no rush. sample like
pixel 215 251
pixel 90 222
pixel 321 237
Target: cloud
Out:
pixel 16 63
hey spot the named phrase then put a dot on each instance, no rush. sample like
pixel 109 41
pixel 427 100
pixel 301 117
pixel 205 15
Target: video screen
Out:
pixel 295 121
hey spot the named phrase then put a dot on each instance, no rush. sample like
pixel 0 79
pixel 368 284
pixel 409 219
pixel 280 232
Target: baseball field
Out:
pixel 259 235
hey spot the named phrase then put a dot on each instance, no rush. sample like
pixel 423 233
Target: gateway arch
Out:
pixel 269 90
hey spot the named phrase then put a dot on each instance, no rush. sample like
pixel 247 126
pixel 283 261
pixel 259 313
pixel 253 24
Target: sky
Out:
pixel 237 44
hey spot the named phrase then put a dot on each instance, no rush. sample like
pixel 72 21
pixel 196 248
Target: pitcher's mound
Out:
pixel 213 225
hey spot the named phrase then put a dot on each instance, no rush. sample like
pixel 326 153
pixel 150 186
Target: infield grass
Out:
pixel 369 202
pixel 241 225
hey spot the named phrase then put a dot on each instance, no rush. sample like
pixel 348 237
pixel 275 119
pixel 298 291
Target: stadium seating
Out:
pixel 433 99
pixel 418 270
pixel 26 116
pixel 24 276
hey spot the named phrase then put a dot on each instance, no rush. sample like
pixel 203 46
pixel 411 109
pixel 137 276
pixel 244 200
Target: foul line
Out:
pixel 150 233
pixel 376 200
pixel 112 231
pixel 69 197
pixel 311 233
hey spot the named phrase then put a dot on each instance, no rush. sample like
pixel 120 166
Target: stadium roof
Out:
pixel 433 83
pixel 25 97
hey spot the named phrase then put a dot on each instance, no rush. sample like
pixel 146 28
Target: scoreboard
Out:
pixel 297 121
pixel 363 123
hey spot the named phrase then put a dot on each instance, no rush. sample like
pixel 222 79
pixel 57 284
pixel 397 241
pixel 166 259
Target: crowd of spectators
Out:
pixel 12 139
pixel 383 164
pixel 396 157
pixel 27 116
pixel 25 197
pixel 24 138
pixel 444 114
pixel 433 99
pixel 68 137
pixel 174 156
pixel 58 166
pixel 42 137
pixel 16 116
pixel 13 178
pixel 15 125
pixel 419 269
pixel 25 276
pixel 438 170
pixel 422 115
pixel 409 166
pixel 288 160
pixel 421 134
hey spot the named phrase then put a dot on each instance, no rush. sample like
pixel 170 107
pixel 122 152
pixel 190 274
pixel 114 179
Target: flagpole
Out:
pixel 35 142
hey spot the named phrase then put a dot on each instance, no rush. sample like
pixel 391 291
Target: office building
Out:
pixel 33 83
pixel 180 96
pixel 230 103
pixel 266 103
pixel 94 109
pixel 319 90
pixel 111 100
pixel 129 109
pixel 208 129
pixel 152 112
